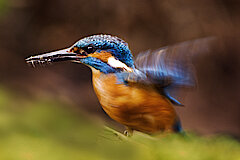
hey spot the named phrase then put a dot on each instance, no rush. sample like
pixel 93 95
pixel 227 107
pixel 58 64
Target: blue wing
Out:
pixel 170 67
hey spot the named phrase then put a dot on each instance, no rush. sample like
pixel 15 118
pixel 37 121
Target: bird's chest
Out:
pixel 110 93
pixel 139 107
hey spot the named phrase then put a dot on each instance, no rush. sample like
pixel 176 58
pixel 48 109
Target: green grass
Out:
pixel 46 130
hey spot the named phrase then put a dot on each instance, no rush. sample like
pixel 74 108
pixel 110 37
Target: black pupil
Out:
pixel 89 49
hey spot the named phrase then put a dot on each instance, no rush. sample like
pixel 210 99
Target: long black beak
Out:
pixel 56 56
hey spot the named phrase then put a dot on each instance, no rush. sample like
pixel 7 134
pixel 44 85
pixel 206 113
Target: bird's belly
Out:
pixel 138 107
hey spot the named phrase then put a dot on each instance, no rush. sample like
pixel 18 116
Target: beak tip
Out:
pixel 48 58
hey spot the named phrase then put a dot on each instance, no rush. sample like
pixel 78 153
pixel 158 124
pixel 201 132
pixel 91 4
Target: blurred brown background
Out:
pixel 31 27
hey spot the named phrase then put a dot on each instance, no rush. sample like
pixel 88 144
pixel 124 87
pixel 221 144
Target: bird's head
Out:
pixel 106 53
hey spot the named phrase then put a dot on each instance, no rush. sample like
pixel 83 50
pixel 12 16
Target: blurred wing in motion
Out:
pixel 170 67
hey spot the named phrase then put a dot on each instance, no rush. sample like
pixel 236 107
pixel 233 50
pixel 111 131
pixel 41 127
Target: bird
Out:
pixel 136 92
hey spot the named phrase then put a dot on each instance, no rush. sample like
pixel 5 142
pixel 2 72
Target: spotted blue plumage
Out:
pixel 118 47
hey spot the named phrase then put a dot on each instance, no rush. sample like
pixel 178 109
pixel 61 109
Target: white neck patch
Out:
pixel 118 64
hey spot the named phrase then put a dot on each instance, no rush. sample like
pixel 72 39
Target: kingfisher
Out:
pixel 136 92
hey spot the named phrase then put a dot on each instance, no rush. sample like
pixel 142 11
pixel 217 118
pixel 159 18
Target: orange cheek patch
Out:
pixel 103 55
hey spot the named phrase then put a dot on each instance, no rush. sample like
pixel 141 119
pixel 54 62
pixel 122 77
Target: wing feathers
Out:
pixel 168 68
pixel 172 65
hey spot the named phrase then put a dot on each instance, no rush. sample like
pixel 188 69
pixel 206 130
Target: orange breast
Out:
pixel 138 107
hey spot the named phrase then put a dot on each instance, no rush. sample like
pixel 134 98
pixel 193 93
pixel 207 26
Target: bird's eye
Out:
pixel 89 49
